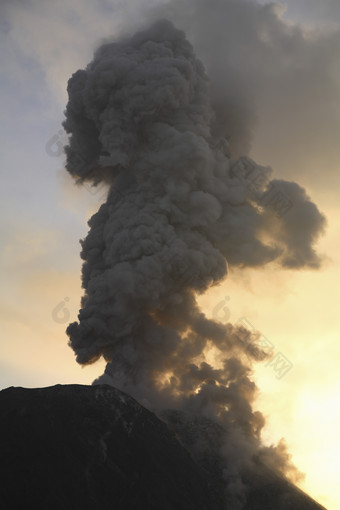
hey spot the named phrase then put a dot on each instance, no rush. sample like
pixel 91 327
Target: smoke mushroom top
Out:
pixel 179 211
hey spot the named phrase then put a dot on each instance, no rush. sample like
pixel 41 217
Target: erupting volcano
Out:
pixel 180 211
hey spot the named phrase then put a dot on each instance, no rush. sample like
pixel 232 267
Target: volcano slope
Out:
pixel 91 447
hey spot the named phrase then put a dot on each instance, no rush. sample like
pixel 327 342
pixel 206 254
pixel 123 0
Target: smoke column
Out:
pixel 179 211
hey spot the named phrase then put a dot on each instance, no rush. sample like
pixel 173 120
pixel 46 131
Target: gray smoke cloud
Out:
pixel 181 208
pixel 272 82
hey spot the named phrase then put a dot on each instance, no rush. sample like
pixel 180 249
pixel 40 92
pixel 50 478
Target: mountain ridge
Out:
pixel 89 447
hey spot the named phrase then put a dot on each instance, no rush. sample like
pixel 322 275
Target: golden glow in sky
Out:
pixel 44 215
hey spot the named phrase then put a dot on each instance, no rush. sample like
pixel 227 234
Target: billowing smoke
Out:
pixel 179 210
pixel 273 83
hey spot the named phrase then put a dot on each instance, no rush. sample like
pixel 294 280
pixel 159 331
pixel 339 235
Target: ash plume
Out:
pixel 273 83
pixel 179 211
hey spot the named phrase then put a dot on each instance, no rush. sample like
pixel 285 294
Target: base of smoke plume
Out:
pixel 96 447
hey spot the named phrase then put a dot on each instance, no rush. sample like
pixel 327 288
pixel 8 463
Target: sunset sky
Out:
pixel 43 214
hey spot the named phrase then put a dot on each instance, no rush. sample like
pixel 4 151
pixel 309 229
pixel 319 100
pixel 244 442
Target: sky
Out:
pixel 294 104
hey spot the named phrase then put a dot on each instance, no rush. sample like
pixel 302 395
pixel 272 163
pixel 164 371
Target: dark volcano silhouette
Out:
pixel 95 447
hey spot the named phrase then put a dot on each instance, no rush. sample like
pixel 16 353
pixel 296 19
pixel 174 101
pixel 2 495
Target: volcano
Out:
pixel 95 447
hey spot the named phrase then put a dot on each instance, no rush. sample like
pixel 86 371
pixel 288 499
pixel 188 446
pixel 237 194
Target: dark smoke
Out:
pixel 179 210
pixel 273 83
